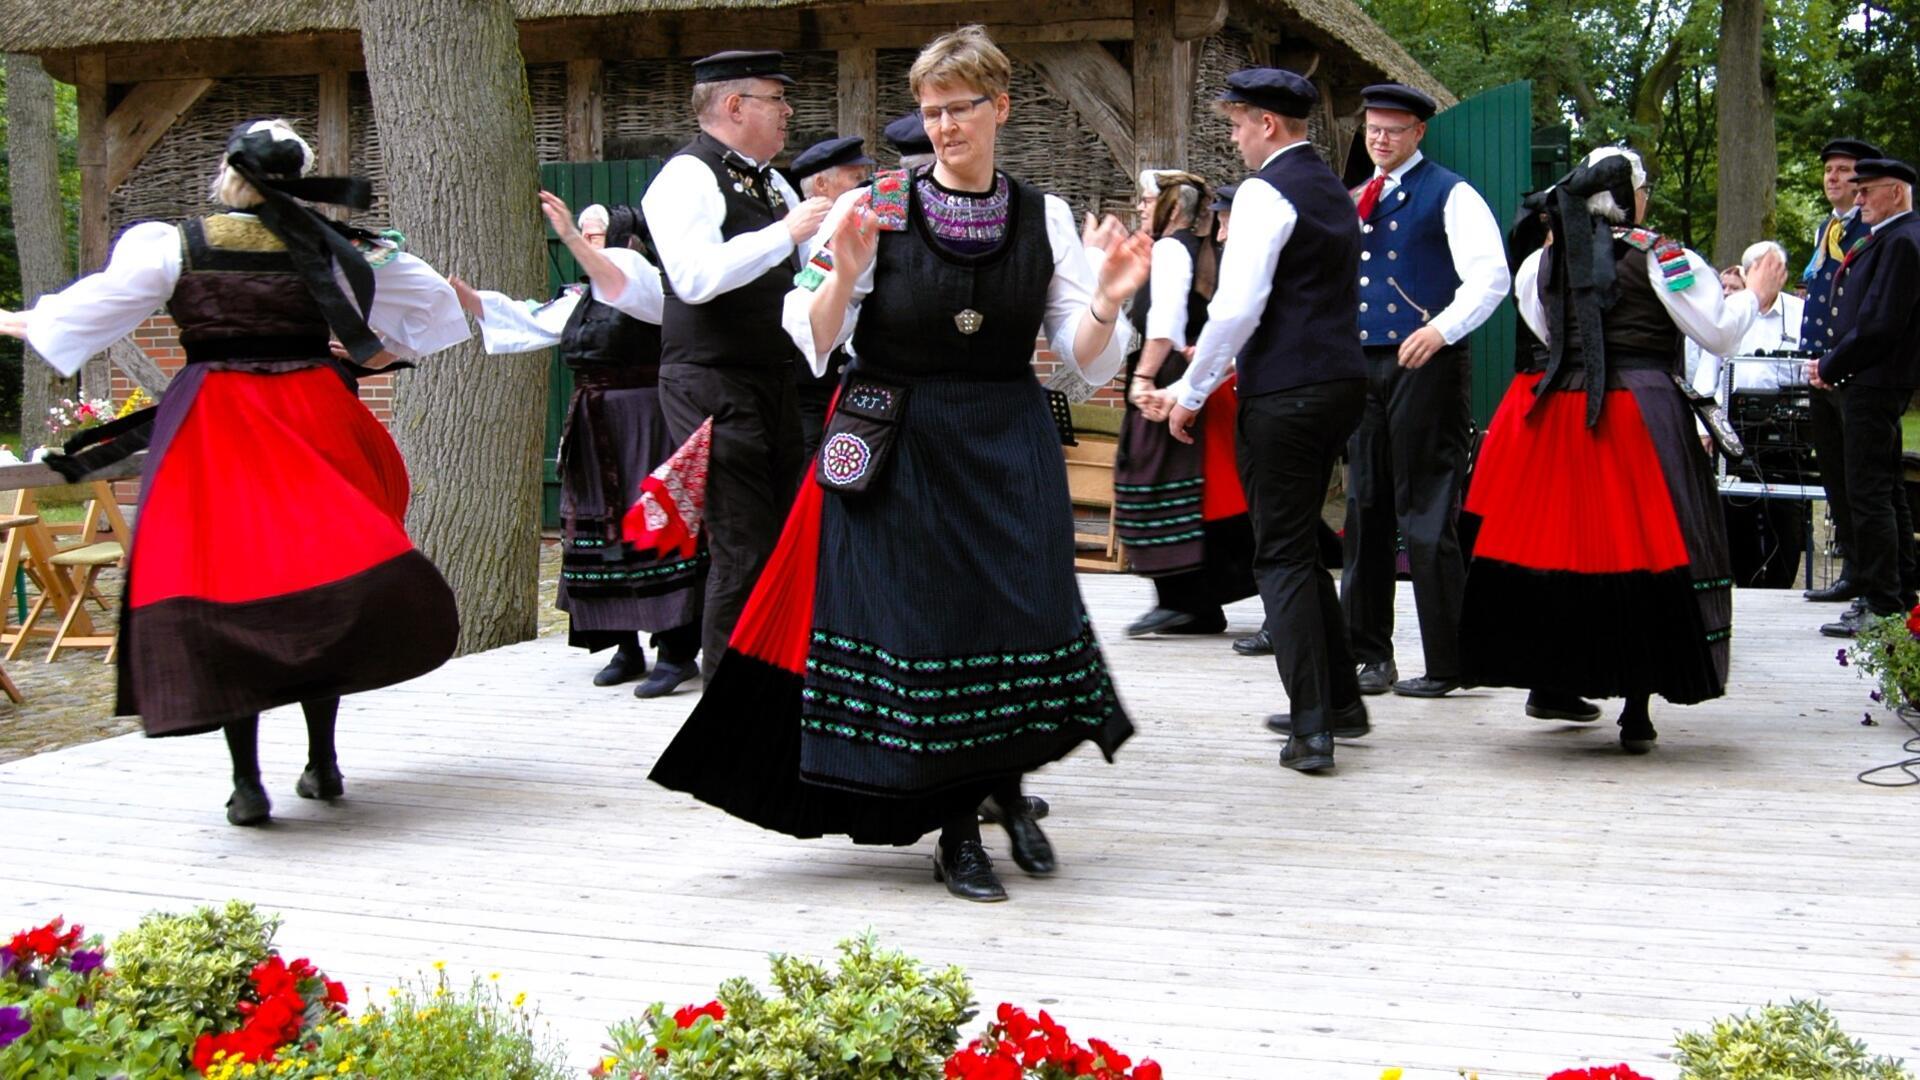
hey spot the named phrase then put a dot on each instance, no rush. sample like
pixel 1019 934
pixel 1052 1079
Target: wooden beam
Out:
pixel 1298 57
pixel 333 134
pixel 91 98
pixel 1197 19
pixel 586 110
pixel 138 366
pixel 144 115
pixel 860 95
pixel 1096 86
pixel 34 474
pixel 1163 69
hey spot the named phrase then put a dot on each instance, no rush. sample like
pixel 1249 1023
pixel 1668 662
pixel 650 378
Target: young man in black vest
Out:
pixel 731 233
pixel 1875 354
pixel 1287 308
pixel 828 169
pixel 1432 269
pixel 1842 229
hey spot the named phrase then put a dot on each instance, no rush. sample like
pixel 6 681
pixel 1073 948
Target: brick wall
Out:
pixel 1045 363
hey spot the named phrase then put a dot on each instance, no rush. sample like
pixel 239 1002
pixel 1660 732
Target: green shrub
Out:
pixel 50 1029
pixel 188 970
pixel 1795 1041
pixel 880 1016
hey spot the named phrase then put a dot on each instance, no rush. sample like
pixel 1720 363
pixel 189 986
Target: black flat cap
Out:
pixel 1882 169
pixel 1273 89
pixel 741 64
pixel 826 154
pixel 908 134
pixel 1853 148
pixel 1398 96
pixel 1223 198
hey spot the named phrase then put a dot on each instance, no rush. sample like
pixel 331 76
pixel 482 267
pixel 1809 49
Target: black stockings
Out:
pixel 243 741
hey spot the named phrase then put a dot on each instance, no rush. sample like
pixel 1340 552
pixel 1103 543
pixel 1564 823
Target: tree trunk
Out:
pixel 1749 157
pixel 451 105
pixel 39 226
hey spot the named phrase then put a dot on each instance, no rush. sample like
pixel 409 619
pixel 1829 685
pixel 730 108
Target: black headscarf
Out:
pixel 315 243
pixel 1579 273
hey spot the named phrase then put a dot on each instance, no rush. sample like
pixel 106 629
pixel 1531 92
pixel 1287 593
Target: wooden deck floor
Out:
pixel 1472 890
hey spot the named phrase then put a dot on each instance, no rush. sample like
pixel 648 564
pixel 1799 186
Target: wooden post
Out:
pixel 1095 85
pixel 90 83
pixel 333 138
pixel 860 95
pixel 586 110
pixel 142 117
pixel 1163 68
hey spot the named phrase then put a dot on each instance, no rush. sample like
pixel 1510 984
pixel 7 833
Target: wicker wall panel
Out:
pixel 1044 143
pixel 648 113
pixel 171 181
pixel 363 155
pixel 547 91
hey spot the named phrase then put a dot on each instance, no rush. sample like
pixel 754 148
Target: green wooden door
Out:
pixel 1488 139
pixel 581 184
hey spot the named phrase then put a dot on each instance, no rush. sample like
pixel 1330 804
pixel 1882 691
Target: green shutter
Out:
pixel 1488 139
pixel 580 183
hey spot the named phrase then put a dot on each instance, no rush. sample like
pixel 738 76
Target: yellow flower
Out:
pixel 519 999
pixel 439 965
pixel 607 1064
pixel 393 991
pixel 494 977
pixel 1390 1074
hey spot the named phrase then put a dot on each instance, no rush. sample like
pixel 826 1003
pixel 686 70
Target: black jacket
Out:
pixel 1876 302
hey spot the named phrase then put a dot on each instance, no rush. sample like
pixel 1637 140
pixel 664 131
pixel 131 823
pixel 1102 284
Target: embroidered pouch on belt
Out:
pixel 1714 419
pixel 860 435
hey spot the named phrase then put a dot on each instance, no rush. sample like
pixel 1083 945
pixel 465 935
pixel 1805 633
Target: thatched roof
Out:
pixel 42 26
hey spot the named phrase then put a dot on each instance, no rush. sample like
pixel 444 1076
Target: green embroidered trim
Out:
pixel 853 647
pixel 1713 583
pixel 1056 681
pixel 1719 635
pixel 1177 538
pixel 1160 523
pixel 940 746
pixel 1171 485
pixel 1163 504
pixel 862 707
pixel 641 574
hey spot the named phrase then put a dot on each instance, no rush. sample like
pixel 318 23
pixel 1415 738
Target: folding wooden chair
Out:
pixel 1090 482
pixel 13 525
pixel 82 566
pixel 29 546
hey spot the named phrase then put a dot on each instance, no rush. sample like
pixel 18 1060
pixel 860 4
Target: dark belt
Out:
pixel 267 349
pixel 614 376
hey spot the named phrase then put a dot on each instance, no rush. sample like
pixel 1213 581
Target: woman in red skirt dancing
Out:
pixel 1600 565
pixel 271 563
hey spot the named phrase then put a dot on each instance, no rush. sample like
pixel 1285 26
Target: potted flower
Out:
pixel 1887 650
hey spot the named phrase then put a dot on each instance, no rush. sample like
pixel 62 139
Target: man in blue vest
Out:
pixel 1286 307
pixel 1433 268
pixel 1875 353
pixel 1840 231
pixel 731 233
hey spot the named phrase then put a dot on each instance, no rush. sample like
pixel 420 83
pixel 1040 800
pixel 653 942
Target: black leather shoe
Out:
pixel 665 678
pixel 1032 851
pixel 1159 621
pixel 1260 644
pixel 1637 737
pixel 1214 622
pixel 325 784
pixel 248 805
pixel 624 667
pixel 1549 705
pixel 1349 722
pixel 968 872
pixel 1037 808
pixel 1308 753
pixel 1379 677
pixel 1841 589
pixel 1849 624
pixel 1426 686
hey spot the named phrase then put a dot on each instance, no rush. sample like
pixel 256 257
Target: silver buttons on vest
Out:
pixel 1393 226
pixel 1366 256
pixel 1394 334
pixel 1363 283
pixel 1366 228
pixel 1393 309
pixel 1393 255
pixel 968 321
pixel 1363 305
pixel 1363 335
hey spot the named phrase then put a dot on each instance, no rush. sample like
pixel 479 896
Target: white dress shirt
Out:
pixel 1774 329
pixel 684 209
pixel 1479 255
pixel 1068 294
pixel 415 311
pixel 1167 292
pixel 1263 221
pixel 1888 221
pixel 512 326
pixel 1701 312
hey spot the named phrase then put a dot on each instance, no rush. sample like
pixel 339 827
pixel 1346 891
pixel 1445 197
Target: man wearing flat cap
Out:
pixel 1840 231
pixel 1287 308
pixel 825 170
pixel 731 233
pixel 1875 355
pixel 908 136
pixel 1432 269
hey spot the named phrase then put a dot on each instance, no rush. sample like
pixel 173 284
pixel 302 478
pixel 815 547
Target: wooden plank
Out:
pixel 860 94
pixel 333 132
pixel 1163 70
pixel 90 83
pixel 586 110
pixel 142 117
pixel 138 366
pixel 1097 87
pixel 33 474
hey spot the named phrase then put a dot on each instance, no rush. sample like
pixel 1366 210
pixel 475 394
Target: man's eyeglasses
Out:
pixel 1863 189
pixel 777 99
pixel 960 111
pixel 1375 131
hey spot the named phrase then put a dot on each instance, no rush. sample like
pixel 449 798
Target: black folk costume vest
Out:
pixel 1638 332
pixel 1310 331
pixel 740 328
pixel 239 297
pixel 937 314
pixel 599 337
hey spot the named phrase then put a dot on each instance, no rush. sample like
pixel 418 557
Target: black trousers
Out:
pixel 1830 454
pixel 1405 465
pixel 751 477
pixel 1883 550
pixel 1289 442
pixel 1189 592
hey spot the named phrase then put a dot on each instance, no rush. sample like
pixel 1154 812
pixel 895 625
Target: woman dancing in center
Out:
pixel 917 642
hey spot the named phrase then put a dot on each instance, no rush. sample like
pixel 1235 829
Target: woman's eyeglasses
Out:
pixel 959 112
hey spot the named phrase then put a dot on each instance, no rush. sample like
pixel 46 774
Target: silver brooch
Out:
pixel 968 321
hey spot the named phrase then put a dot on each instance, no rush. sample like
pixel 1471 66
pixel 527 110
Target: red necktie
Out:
pixel 1370 195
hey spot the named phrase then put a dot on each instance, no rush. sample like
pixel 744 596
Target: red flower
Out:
pixel 689 1016
pixel 1913 621
pixel 1148 1069
pixel 1606 1072
pixel 45 942
pixel 336 993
